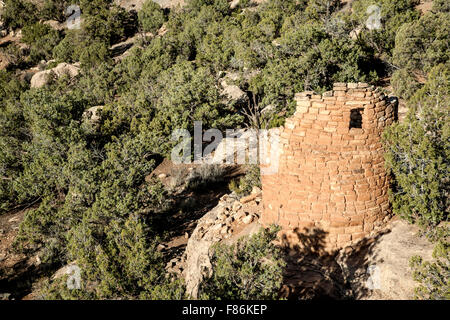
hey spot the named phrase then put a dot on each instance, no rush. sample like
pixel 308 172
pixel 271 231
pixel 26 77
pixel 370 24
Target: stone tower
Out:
pixel 331 174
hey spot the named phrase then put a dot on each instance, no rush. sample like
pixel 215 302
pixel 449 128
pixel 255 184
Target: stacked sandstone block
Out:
pixel 331 174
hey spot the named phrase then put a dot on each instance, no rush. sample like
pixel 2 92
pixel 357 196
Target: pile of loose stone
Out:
pixel 231 219
pixel 229 214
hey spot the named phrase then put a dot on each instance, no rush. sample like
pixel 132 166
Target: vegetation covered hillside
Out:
pixel 86 184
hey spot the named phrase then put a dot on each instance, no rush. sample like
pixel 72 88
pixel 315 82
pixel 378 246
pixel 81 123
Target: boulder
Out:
pixel 234 4
pixel 198 264
pixel 43 78
pixel 248 219
pixel 233 146
pixel 256 193
pixel 233 92
pixel 92 116
pixel 66 270
pixel 257 190
pixel 55 25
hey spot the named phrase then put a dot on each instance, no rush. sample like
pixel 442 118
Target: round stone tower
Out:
pixel 331 176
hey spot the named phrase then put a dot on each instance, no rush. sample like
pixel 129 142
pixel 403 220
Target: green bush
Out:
pixel 15 56
pixel 151 16
pixel 65 50
pixel 394 13
pixel 441 6
pixel 18 13
pixel 423 44
pixel 55 9
pixel 433 276
pixel 94 54
pixel 251 269
pixel 404 83
pixel 103 25
pixel 13 134
pixel 103 21
pixel 417 154
pixel 245 184
pixel 42 40
pixel 129 266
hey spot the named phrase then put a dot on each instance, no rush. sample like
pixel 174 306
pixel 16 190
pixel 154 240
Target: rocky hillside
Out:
pixel 88 177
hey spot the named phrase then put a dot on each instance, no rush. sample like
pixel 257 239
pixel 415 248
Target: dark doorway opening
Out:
pixel 356 118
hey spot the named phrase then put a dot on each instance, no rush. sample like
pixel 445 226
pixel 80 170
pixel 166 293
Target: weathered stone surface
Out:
pixel 234 4
pixel 232 92
pixel 93 115
pixel 221 224
pixel 390 258
pixel 66 270
pixel 256 191
pixel 43 78
pixel 248 198
pixel 55 24
pixel 375 268
pixel 232 148
pixel 198 263
pixel 248 219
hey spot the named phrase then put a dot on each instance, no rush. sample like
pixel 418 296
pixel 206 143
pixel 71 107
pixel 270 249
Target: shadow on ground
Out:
pixel 312 273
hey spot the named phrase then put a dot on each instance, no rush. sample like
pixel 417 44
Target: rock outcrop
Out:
pixel 228 221
pixel 92 116
pixel 56 25
pixel 390 257
pixel 232 91
pixel 43 78
pixel 233 146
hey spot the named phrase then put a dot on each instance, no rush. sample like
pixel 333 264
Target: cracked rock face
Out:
pixel 227 222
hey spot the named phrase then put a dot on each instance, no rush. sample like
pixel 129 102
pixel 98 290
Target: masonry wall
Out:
pixel 331 174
